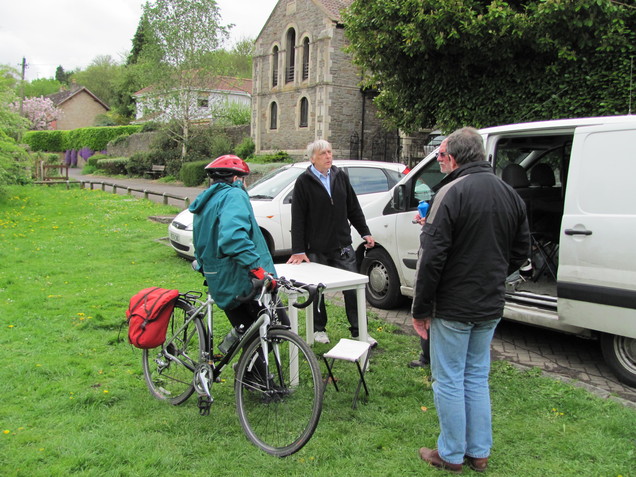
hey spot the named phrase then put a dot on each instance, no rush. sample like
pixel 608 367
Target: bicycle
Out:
pixel 278 383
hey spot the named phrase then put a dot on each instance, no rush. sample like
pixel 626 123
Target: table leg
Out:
pixel 293 321
pixel 362 312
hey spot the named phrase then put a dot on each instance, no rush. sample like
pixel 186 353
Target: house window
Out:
pixel 275 67
pixel 305 59
pixel 273 116
pixel 203 102
pixel 304 113
pixel 290 62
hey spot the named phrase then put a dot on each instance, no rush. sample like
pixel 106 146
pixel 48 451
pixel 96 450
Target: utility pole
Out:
pixel 24 67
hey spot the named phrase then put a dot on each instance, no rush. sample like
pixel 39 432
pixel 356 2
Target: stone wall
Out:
pixel 142 142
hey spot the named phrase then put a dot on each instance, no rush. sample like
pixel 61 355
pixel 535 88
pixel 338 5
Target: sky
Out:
pixel 72 33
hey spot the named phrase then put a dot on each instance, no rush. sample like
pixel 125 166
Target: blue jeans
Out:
pixel 460 364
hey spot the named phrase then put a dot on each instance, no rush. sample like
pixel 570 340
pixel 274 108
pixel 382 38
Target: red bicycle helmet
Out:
pixel 227 166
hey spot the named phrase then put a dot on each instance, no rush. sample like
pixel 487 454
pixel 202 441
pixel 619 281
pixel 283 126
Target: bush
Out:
pixel 95 158
pixel 97 138
pixel 245 149
pixel 113 166
pixel 193 173
pixel 14 162
pixel 280 156
pixel 139 163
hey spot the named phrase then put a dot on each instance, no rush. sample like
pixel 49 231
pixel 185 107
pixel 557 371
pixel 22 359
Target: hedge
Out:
pixel 47 141
pixel 193 174
pixel 93 138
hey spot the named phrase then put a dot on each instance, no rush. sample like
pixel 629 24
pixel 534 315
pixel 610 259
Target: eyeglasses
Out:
pixel 441 154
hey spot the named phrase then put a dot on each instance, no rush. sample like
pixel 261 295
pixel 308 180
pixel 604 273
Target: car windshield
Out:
pixel 273 183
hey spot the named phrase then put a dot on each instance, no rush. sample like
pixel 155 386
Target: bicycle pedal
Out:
pixel 205 403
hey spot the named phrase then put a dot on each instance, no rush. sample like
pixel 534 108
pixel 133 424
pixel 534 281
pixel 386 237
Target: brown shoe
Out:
pixel 478 464
pixel 432 457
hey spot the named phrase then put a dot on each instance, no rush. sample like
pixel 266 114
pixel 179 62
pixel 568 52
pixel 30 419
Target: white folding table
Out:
pixel 334 279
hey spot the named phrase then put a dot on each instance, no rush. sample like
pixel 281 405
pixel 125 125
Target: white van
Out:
pixel 577 178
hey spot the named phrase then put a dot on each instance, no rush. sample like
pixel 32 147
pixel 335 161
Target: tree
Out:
pixel 41 87
pixel 100 77
pixel 62 76
pixel 41 112
pixel 13 157
pixel 183 31
pixel 450 63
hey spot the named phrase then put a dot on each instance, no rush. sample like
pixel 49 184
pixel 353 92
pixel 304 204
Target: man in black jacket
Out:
pixel 323 206
pixel 476 233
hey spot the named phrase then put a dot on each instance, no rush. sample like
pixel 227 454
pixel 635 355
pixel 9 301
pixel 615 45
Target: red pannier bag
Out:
pixel 148 316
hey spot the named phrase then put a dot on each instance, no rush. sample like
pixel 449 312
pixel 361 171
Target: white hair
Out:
pixel 318 145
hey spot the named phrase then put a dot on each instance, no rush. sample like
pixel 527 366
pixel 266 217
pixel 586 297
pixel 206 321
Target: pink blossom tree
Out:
pixel 40 111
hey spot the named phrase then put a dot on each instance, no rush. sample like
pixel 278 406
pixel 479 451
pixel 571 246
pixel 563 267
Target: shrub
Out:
pixel 113 166
pixel 280 156
pixel 245 149
pixel 139 163
pixel 97 138
pixel 220 145
pixel 193 173
pixel 92 161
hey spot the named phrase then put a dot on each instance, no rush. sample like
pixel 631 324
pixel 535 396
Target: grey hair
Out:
pixel 318 145
pixel 466 145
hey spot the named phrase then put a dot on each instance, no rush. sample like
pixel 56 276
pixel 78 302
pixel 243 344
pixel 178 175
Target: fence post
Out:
pixel 186 201
pixel 145 193
pixel 165 199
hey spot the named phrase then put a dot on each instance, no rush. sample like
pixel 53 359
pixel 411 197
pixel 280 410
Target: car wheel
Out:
pixel 383 289
pixel 620 354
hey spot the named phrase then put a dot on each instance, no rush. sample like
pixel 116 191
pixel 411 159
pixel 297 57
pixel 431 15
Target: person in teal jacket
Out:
pixel 229 245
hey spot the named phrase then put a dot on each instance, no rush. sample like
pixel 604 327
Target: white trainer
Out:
pixel 321 337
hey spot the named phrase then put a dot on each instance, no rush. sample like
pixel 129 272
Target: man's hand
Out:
pixel 369 241
pixel 298 258
pixel 422 326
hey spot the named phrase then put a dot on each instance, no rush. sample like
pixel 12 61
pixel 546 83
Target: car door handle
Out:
pixel 577 232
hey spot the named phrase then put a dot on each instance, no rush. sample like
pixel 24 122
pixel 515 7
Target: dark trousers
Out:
pixel 344 259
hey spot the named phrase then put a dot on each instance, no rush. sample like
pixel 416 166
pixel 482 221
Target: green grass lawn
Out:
pixel 74 402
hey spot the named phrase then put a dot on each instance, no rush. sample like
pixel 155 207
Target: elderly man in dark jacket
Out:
pixel 475 235
pixel 324 206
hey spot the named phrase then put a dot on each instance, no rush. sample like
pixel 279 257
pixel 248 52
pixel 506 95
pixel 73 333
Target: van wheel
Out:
pixel 383 289
pixel 620 354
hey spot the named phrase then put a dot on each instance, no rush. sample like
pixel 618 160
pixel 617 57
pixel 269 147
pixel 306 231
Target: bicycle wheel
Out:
pixel 169 369
pixel 279 413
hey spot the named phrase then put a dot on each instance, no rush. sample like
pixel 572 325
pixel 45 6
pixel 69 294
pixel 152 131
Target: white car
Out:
pixel 582 218
pixel 271 199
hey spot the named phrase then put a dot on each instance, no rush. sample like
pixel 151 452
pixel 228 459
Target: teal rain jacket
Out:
pixel 228 242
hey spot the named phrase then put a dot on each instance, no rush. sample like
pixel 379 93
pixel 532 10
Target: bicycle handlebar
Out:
pixel 257 286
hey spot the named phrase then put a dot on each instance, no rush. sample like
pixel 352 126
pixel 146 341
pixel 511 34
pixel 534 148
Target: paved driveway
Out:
pixel 560 355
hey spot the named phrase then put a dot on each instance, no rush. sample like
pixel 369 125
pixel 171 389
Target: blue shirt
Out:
pixel 323 178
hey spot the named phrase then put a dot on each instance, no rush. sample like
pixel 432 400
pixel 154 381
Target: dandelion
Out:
pixel 11 326
pixel 105 391
pixel 424 408
pixel 6 431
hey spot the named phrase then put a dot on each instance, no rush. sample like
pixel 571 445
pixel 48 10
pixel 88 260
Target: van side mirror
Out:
pixel 398 202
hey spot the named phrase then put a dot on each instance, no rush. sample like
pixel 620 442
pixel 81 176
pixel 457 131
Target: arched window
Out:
pixel 275 67
pixel 305 59
pixel 290 62
pixel 273 116
pixel 304 113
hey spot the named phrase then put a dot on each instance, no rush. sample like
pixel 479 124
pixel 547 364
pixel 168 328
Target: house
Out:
pixel 199 102
pixel 306 87
pixel 80 107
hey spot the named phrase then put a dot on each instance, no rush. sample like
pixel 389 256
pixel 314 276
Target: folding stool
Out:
pixel 352 351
